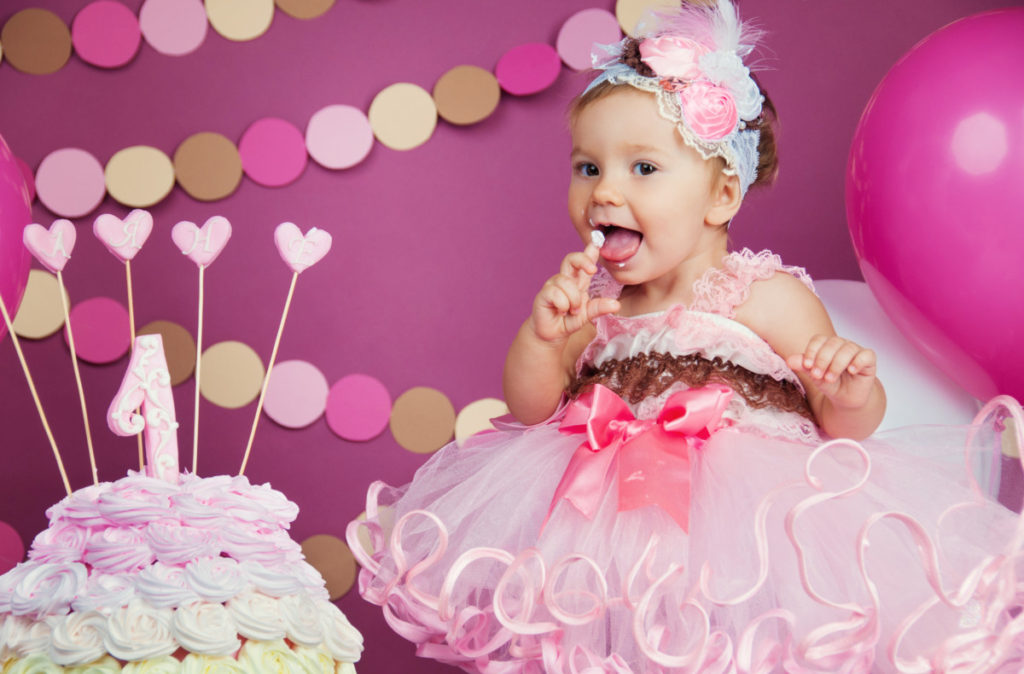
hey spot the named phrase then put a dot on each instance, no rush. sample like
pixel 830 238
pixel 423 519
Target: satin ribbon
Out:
pixel 652 455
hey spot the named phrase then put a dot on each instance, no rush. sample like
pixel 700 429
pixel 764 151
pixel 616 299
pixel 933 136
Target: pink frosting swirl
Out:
pixel 47 589
pixel 80 507
pixel 61 542
pixel 164 586
pixel 676 57
pixel 104 593
pixel 252 544
pixel 215 579
pixel 117 551
pixel 175 544
pixel 710 111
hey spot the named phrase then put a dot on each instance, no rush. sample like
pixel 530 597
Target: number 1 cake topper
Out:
pixel 52 247
pixel 202 245
pixel 147 385
pixel 299 252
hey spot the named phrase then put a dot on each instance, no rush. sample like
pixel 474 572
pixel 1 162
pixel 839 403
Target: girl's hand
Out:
pixel 563 306
pixel 842 371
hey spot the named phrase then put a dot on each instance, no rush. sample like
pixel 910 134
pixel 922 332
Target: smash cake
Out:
pixel 166 571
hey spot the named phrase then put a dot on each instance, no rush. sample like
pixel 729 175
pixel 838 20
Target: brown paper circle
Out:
pixel 179 347
pixel 41 313
pixel 332 558
pixel 629 12
pixel 422 420
pixel 232 374
pixel 466 95
pixel 139 176
pixel 304 9
pixel 36 41
pixel 208 166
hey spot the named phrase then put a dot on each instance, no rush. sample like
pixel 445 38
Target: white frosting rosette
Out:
pixel 137 574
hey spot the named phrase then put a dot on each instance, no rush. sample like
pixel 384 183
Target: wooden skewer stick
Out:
pixel 270 367
pixel 35 395
pixel 131 331
pixel 199 361
pixel 78 376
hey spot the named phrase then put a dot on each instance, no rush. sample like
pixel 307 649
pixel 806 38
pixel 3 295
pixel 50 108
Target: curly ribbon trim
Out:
pixel 652 456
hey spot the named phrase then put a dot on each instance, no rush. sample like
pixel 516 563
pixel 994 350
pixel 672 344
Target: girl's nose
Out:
pixel 607 192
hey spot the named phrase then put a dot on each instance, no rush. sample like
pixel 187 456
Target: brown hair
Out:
pixel 768 160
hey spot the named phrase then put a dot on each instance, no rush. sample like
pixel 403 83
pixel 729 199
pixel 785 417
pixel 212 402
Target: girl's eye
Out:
pixel 643 168
pixel 587 170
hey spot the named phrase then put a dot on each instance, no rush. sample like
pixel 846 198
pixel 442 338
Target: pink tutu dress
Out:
pixel 682 513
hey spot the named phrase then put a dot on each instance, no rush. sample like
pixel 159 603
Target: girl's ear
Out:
pixel 726 197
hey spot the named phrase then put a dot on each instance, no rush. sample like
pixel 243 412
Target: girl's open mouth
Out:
pixel 620 243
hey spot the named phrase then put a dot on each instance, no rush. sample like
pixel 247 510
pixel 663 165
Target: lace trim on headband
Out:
pixel 648 375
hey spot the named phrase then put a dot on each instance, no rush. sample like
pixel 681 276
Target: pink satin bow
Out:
pixel 652 455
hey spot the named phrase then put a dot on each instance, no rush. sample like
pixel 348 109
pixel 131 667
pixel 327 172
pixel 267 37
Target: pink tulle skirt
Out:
pixel 881 556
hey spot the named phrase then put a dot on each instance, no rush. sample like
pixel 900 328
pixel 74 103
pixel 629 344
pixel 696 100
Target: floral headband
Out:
pixel 700 81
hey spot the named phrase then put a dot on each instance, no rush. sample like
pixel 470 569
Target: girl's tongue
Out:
pixel 620 244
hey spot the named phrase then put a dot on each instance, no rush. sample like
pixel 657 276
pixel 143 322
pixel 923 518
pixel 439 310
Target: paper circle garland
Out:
pixel 296 394
pixel 139 176
pixel 423 420
pixel 106 34
pixel 207 166
pixel 173 27
pixel 70 182
pixel 403 116
pixel 528 69
pixel 466 95
pixel 273 152
pixel 358 407
pixel 240 20
pixel 41 313
pixel 36 41
pixel 339 136
pixel 232 374
pixel 100 327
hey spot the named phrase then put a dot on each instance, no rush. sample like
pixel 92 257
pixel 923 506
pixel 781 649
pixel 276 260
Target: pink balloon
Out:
pixel 935 199
pixel 15 213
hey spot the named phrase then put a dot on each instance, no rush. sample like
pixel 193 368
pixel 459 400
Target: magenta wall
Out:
pixel 438 251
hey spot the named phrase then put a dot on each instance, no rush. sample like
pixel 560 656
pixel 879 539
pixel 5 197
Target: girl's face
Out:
pixel 655 198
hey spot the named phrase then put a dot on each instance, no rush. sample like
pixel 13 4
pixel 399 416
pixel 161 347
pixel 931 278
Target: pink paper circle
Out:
pixel 582 31
pixel 101 332
pixel 358 407
pixel 339 136
pixel 528 68
pixel 70 182
pixel 106 34
pixel 273 152
pixel 173 27
pixel 30 180
pixel 12 548
pixel 296 394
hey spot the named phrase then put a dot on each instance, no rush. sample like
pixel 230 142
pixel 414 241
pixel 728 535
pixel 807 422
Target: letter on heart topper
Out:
pixel 301 252
pixel 51 247
pixel 203 244
pixel 124 238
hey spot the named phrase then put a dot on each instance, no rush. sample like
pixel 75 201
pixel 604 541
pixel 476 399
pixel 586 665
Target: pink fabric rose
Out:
pixel 673 56
pixel 710 111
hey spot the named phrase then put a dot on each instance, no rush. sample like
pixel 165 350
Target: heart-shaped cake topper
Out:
pixel 301 252
pixel 51 247
pixel 124 238
pixel 203 244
